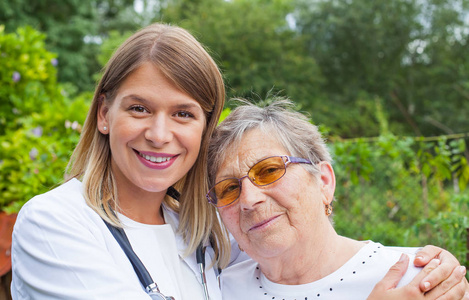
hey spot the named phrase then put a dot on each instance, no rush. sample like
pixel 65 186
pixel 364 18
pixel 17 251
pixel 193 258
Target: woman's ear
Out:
pixel 102 117
pixel 327 181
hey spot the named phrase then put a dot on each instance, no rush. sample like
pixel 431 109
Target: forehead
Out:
pixel 253 146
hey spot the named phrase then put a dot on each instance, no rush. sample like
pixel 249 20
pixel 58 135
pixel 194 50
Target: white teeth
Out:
pixel 155 159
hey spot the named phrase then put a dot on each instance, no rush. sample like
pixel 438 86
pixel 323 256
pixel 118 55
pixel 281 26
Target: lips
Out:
pixel 264 223
pixel 156 160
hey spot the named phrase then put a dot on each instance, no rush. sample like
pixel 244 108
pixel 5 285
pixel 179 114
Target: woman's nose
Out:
pixel 250 195
pixel 158 131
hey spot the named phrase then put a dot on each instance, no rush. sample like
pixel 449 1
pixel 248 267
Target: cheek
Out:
pixel 297 197
pixel 288 194
pixel 192 139
pixel 122 132
pixel 231 221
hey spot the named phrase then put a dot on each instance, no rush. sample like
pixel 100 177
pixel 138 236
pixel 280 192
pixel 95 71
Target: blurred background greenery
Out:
pixel 387 81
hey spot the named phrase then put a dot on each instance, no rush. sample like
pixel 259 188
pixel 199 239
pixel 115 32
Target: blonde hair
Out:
pixel 183 60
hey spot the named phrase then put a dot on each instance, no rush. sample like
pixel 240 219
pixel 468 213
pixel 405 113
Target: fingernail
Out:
pixel 402 258
pixel 462 269
pixel 426 285
pixel 419 257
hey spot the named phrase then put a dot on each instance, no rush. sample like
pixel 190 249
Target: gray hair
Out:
pixel 292 129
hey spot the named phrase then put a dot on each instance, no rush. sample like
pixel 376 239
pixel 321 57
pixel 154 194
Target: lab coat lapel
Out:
pixel 172 218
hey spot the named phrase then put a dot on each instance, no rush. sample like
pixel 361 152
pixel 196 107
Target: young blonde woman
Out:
pixel 147 130
pixel 132 221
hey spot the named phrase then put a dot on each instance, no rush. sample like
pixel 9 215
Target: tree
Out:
pixel 359 46
pixel 253 44
pixel 407 53
pixel 74 30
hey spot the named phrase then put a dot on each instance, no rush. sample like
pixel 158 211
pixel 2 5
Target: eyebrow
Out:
pixel 189 105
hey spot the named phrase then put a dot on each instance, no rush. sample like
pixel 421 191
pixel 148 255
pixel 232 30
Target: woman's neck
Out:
pixel 311 261
pixel 142 207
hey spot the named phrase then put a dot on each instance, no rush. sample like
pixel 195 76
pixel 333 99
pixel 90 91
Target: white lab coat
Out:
pixel 63 250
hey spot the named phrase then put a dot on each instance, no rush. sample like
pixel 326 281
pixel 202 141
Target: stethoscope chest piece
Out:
pixel 159 296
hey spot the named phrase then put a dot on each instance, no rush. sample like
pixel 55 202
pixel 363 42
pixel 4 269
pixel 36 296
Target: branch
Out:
pixel 405 113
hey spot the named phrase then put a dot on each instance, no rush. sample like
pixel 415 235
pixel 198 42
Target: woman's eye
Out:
pixel 138 108
pixel 184 114
pixel 228 189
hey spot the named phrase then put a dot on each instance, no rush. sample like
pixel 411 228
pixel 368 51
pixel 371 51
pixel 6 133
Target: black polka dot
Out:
pixel 354 272
pixel 330 289
pixel 363 262
pixel 341 279
pixel 319 295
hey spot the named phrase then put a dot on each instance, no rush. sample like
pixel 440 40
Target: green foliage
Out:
pixel 403 191
pixel 74 30
pixel 40 125
pixel 27 76
pixel 254 46
pixel 66 24
pixel 334 58
pixel 224 114
pixel 410 54
pixel 447 228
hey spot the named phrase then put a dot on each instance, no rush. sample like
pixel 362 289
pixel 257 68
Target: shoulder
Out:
pixel 239 278
pixel 69 194
pixel 379 259
pixel 394 253
pixel 63 206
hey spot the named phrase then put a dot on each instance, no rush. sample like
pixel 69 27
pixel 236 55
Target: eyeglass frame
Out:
pixel 289 160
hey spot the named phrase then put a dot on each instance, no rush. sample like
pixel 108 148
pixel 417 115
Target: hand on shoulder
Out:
pixel 452 286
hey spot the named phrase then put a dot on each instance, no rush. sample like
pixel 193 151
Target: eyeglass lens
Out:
pixel 262 173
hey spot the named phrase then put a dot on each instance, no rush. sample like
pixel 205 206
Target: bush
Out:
pixel 39 124
pixel 403 191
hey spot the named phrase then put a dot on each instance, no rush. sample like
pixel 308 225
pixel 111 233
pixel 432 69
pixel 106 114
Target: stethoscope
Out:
pixel 142 273
pixel 199 253
pixel 200 257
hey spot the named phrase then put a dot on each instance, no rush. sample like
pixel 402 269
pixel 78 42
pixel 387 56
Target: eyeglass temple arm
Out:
pixel 298 160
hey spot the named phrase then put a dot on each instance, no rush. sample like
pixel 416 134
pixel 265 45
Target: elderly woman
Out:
pixel 273 184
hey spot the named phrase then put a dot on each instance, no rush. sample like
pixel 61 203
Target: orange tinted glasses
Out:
pixel 263 173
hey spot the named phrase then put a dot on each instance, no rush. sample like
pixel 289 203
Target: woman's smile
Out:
pixel 264 224
pixel 156 160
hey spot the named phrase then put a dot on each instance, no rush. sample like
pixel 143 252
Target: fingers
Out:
pixel 457 292
pixel 427 253
pixel 424 273
pixel 444 270
pixel 390 280
pixel 385 289
pixel 395 273
pixel 454 287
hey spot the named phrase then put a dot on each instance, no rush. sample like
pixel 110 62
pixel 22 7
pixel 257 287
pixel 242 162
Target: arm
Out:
pixel 453 287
